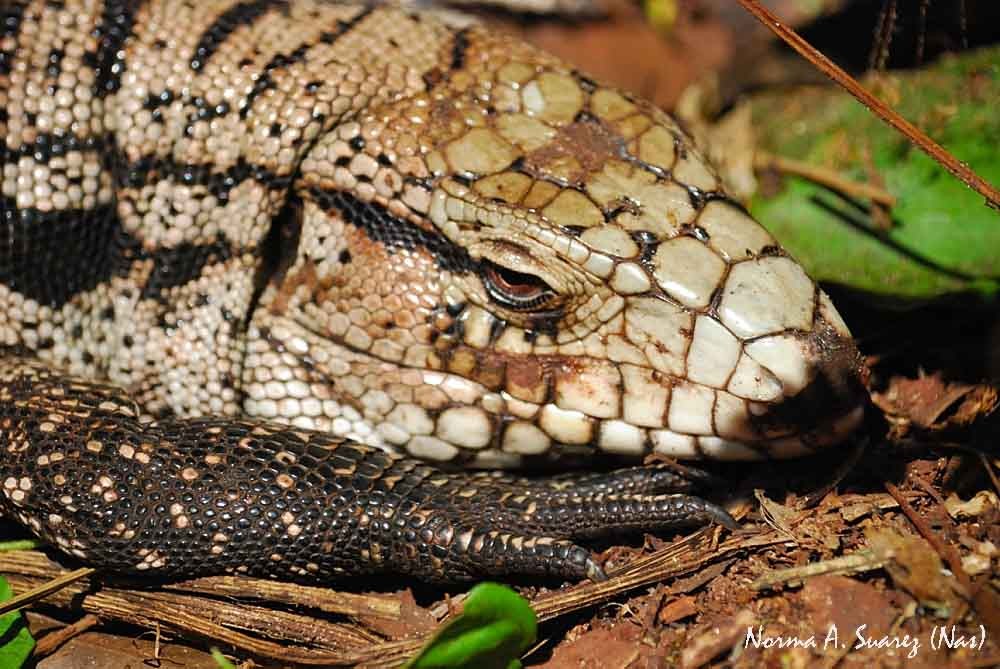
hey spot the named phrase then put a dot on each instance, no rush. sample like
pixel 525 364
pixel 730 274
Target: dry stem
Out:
pixel 204 608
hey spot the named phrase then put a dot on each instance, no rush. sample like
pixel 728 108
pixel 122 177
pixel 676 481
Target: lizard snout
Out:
pixel 823 396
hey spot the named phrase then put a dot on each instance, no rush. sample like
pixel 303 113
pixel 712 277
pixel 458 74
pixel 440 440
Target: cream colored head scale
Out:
pixel 520 263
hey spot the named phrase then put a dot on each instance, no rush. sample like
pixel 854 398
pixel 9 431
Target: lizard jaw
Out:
pixel 454 418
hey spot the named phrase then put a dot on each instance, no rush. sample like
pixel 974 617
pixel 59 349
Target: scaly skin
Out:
pixel 300 235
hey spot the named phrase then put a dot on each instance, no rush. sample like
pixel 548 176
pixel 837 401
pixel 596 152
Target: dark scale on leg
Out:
pixel 183 497
pixel 634 480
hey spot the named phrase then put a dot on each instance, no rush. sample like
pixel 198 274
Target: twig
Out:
pixel 298 639
pixel 51 641
pixel 681 557
pixel 43 590
pixel 879 108
pixel 688 584
pixel 934 494
pixel 945 550
pixel 824 177
pixel 314 641
pixel 977 595
pixel 989 470
pixel 157 640
pixel 36 563
pixel 323 599
pixel 862 560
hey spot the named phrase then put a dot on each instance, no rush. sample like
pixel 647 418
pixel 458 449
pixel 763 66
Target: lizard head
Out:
pixel 520 263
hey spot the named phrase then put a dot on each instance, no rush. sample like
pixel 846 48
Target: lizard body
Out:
pixel 252 254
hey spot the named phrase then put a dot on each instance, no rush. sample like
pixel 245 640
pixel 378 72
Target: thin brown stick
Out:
pixel 824 177
pixel 944 549
pixel 51 641
pixel 36 563
pixel 883 36
pixel 918 54
pixel 298 639
pixel 857 562
pixel 975 595
pixel 323 599
pixel 989 470
pixel 43 590
pixel 879 108
pixel 313 641
pixel 679 558
pixel 929 489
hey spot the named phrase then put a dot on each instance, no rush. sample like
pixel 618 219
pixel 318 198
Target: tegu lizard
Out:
pixel 275 275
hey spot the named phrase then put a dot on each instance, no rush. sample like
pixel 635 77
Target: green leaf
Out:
pixel 221 660
pixel 496 625
pixel 17 642
pixel 942 241
pixel 19 545
pixel 662 14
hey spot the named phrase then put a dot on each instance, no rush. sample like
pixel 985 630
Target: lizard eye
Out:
pixel 515 290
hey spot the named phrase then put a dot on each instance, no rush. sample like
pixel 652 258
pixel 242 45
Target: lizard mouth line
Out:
pixel 795 443
pixel 818 437
pixel 571 434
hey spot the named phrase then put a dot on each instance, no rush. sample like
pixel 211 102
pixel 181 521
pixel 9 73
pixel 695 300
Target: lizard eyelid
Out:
pixel 515 290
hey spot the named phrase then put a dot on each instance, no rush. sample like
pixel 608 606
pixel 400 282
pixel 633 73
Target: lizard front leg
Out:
pixel 198 496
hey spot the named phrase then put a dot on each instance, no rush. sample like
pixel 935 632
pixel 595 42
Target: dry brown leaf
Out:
pixel 717 639
pixel 914 566
pixel 932 403
pixel 96 649
pixel 678 609
pixel 982 501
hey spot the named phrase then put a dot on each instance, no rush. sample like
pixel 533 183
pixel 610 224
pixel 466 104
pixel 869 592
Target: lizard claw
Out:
pixel 594 571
